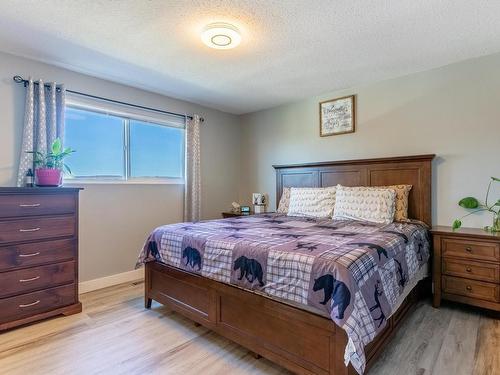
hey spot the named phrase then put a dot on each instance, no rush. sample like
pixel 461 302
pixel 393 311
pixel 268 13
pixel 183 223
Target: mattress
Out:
pixel 355 272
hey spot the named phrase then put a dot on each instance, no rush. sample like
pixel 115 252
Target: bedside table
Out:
pixel 466 267
pixel 227 214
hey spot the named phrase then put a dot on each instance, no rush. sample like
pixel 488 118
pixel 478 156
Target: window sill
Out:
pixel 82 181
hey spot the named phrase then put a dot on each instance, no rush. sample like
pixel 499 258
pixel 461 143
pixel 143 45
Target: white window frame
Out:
pixel 127 114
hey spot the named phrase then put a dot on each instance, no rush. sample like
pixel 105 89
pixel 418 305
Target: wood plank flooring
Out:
pixel 116 335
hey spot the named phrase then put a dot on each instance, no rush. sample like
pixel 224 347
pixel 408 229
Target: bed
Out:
pixel 263 281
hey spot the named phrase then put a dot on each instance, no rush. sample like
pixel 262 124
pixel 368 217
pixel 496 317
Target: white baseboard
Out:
pixel 104 282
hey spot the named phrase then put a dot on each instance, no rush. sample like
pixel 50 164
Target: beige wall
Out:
pixel 453 112
pixel 115 219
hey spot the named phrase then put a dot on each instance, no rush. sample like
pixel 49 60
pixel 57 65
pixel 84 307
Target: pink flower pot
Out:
pixel 48 177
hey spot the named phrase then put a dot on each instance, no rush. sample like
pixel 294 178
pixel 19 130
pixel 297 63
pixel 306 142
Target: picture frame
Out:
pixel 337 116
pixel 259 199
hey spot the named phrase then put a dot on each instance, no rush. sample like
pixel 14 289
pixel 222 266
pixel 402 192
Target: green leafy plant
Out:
pixel 53 159
pixel 472 203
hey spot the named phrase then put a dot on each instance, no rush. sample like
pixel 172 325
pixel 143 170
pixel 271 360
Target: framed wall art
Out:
pixel 337 116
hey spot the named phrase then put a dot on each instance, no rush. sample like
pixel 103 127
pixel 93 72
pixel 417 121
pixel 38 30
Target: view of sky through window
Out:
pixel 156 150
pixel 99 140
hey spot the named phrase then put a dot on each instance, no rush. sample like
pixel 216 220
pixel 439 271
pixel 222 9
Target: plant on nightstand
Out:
pixel 474 204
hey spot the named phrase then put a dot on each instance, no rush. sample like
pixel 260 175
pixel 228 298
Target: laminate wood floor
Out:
pixel 116 335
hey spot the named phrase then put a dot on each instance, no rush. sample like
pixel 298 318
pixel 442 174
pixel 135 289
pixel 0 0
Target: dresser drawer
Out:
pixel 30 304
pixel 36 204
pixel 471 288
pixel 36 229
pixel 29 279
pixel 35 254
pixel 470 269
pixel 477 250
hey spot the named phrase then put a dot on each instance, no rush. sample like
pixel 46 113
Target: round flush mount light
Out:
pixel 221 36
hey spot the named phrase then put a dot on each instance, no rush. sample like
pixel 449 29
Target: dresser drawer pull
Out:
pixel 28 280
pixel 30 205
pixel 468 269
pixel 468 249
pixel 29 230
pixel 30 304
pixel 29 255
pixel 469 288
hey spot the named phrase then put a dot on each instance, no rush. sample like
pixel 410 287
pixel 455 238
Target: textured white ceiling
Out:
pixel 291 49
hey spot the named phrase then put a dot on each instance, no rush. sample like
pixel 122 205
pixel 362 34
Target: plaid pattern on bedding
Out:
pixel 218 260
pixel 355 271
pixel 288 275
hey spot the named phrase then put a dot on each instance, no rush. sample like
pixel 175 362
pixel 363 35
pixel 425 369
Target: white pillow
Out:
pixel 365 203
pixel 314 202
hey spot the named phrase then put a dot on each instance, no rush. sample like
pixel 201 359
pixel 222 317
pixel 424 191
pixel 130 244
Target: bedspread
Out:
pixel 355 271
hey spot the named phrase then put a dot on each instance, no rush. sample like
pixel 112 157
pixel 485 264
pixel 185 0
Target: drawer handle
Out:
pixel 30 205
pixel 469 288
pixel 30 304
pixel 468 269
pixel 29 230
pixel 28 280
pixel 29 255
pixel 468 249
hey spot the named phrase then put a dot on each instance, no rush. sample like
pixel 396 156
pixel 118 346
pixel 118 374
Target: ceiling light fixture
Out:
pixel 221 35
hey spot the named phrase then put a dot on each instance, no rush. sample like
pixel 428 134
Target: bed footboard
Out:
pixel 298 340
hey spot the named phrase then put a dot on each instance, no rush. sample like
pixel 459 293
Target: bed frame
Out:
pixel 299 340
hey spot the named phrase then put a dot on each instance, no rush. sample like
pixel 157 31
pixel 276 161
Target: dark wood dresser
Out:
pixel 38 254
pixel 467 267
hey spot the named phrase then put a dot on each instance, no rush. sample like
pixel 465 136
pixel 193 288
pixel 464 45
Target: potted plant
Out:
pixel 49 167
pixel 474 204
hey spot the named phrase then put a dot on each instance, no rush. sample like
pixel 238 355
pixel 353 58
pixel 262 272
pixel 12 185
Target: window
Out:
pixel 117 146
pixel 99 141
pixel 156 150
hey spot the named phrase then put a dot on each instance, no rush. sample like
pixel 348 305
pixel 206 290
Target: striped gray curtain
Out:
pixel 192 190
pixel 43 121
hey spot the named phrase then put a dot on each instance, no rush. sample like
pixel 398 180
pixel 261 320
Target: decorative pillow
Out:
pixel 314 202
pixel 401 208
pixel 365 203
pixel 284 201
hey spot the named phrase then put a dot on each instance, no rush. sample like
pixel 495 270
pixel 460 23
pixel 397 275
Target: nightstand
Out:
pixel 227 214
pixel 466 267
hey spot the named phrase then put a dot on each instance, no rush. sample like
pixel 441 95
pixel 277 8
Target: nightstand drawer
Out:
pixel 472 270
pixel 36 229
pixel 30 304
pixel 471 288
pixel 30 279
pixel 476 250
pixel 35 254
pixel 36 204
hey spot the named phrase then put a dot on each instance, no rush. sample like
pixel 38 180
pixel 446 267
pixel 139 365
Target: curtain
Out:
pixel 192 192
pixel 43 122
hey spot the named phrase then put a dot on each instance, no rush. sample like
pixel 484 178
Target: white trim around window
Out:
pixel 128 114
pixel 119 110
pixel 134 181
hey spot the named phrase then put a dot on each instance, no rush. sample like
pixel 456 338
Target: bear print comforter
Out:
pixel 357 272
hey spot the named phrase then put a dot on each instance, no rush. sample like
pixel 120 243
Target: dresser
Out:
pixel 466 267
pixel 38 254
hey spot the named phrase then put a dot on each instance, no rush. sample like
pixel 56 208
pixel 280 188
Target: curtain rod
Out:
pixel 19 79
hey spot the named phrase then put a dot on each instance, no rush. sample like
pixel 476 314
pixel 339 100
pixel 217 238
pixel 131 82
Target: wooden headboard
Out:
pixel 411 170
